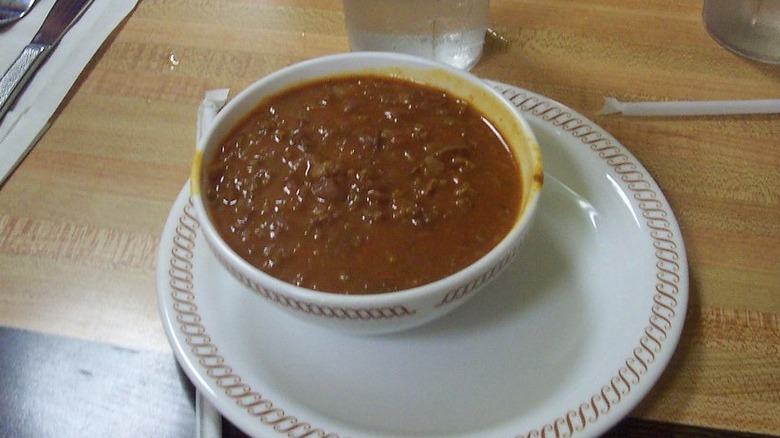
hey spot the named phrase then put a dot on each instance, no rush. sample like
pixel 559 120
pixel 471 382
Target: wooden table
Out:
pixel 80 219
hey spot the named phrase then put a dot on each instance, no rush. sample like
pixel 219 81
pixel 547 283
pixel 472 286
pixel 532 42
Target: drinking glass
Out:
pixel 449 31
pixel 750 28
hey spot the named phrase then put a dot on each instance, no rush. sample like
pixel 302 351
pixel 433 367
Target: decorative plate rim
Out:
pixel 638 373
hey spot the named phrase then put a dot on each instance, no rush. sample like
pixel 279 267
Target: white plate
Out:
pixel 567 340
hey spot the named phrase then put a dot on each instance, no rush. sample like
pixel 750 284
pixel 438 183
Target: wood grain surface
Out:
pixel 80 219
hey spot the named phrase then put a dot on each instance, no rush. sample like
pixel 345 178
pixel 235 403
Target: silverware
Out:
pixel 13 10
pixel 61 17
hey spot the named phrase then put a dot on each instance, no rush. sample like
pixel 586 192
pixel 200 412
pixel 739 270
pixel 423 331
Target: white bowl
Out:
pixel 389 311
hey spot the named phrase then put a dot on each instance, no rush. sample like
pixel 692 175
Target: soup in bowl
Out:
pixel 369 192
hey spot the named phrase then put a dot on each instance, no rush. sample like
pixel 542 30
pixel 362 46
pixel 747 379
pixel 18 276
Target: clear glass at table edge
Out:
pixel 750 28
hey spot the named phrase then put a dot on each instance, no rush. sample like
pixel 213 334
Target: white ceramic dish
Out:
pixel 567 340
pixel 401 309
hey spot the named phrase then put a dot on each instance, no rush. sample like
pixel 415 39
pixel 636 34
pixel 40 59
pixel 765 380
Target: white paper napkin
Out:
pixel 28 120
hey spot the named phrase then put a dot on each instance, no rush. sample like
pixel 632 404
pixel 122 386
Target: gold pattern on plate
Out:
pixel 663 315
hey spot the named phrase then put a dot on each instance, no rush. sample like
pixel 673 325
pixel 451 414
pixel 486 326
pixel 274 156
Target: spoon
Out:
pixel 13 10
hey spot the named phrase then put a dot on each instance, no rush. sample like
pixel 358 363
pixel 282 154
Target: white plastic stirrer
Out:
pixel 690 108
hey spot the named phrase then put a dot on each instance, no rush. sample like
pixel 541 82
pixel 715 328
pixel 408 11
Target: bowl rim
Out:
pixel 390 63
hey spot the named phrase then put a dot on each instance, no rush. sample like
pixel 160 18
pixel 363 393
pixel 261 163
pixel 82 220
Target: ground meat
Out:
pixel 363 185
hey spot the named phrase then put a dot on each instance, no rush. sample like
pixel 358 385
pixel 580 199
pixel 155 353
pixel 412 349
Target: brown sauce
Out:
pixel 363 185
